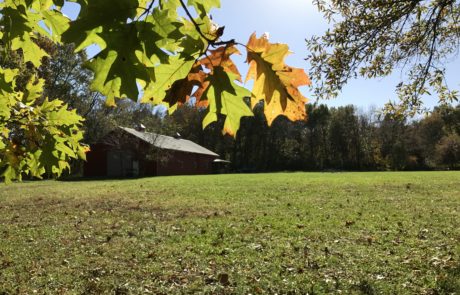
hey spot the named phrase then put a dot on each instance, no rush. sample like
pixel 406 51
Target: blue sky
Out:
pixel 291 22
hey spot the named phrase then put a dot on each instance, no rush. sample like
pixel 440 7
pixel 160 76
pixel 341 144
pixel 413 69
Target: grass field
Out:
pixel 290 233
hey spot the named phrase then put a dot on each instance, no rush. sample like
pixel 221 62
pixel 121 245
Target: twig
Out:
pixel 212 42
pixel 146 10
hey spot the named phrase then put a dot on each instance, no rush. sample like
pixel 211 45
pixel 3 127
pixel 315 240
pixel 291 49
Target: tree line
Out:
pixel 332 138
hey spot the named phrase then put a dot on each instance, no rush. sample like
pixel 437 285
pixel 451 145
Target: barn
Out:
pixel 127 152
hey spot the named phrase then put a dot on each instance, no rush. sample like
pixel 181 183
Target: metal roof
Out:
pixel 170 143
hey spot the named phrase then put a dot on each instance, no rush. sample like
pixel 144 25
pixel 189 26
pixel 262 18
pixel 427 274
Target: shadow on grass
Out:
pixel 98 178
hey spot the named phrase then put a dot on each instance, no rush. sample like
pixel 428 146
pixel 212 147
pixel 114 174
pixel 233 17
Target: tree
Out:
pixel 149 52
pixel 344 138
pixel 373 38
pixel 451 117
pixel 448 151
pixel 430 131
pixel 391 140
pixel 316 136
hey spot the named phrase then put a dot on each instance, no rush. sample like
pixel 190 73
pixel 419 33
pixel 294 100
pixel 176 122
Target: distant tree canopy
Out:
pixel 374 38
pixel 338 139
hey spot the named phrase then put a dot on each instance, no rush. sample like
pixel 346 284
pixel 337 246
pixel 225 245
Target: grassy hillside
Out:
pixel 363 233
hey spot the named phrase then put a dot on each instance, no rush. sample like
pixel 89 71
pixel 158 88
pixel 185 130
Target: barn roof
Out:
pixel 170 143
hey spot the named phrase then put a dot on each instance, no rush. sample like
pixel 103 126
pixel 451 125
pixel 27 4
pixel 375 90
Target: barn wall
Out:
pixel 96 162
pixel 147 168
pixel 120 163
pixel 181 163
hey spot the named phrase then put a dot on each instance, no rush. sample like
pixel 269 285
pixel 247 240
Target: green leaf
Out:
pixel 5 108
pixel 209 118
pixel 9 174
pixel 63 117
pixel 34 90
pixel 56 22
pixel 192 46
pixel 20 25
pixel 8 76
pixel 165 75
pixel 97 17
pixel 41 5
pixel 32 52
pixel 142 7
pixel 7 93
pixel 203 7
pixel 227 98
pixel 149 40
pixel 62 147
pixel 170 4
pixel 35 167
pixel 117 68
pixel 165 29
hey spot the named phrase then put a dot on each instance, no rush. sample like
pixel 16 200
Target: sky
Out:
pixel 291 22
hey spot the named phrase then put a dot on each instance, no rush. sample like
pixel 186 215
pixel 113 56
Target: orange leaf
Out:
pixel 199 93
pixel 220 57
pixel 181 90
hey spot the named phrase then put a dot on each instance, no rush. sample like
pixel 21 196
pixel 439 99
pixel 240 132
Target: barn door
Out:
pixel 119 163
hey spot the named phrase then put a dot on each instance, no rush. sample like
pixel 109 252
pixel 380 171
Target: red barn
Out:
pixel 127 152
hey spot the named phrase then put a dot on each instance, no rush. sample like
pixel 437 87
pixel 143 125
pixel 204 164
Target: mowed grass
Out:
pixel 287 233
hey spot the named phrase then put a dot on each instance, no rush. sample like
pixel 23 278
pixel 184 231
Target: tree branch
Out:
pixel 212 42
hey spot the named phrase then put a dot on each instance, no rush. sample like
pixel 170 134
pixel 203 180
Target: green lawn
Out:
pixel 289 233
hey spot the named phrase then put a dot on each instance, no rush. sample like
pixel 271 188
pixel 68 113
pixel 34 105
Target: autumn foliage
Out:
pixel 149 53
pixel 274 81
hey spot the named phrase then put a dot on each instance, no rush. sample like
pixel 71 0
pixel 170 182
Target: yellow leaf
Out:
pixel 274 81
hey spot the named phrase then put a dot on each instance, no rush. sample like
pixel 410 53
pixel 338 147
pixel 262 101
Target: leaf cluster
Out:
pixel 37 136
pixel 149 52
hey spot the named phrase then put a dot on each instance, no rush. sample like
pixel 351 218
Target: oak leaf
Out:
pixel 117 67
pixel 274 81
pixel 226 98
pixel 165 76
pixel 181 90
pixel 204 6
pixel 221 57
